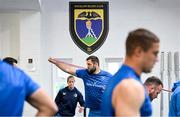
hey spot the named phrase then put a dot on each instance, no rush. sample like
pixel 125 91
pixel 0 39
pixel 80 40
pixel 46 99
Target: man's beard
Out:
pixel 92 70
pixel 146 70
pixel 151 98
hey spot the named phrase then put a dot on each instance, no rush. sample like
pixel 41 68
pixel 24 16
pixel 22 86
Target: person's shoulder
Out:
pixel 77 90
pixel 63 89
pixel 177 91
pixel 5 67
pixel 106 72
pixel 130 92
pixel 9 69
pixel 130 87
pixel 81 70
pixel 131 83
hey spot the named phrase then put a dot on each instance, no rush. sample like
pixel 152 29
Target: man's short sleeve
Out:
pixel 81 73
pixel 30 85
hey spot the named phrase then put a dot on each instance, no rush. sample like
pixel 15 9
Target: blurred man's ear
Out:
pixel 138 51
pixel 151 88
pixel 96 64
pixel 14 64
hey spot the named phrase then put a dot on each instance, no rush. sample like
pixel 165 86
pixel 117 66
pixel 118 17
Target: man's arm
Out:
pixel 42 102
pixel 58 98
pixel 127 98
pixel 63 66
pixel 81 102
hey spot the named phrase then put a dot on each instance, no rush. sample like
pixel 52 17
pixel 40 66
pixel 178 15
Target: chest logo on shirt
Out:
pixel 75 95
pixel 96 84
pixel 64 93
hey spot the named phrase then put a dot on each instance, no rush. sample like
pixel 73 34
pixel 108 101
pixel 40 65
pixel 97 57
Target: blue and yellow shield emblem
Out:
pixel 89 24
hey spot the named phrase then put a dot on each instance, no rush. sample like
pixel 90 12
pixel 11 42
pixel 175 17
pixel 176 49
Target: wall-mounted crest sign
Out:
pixel 89 24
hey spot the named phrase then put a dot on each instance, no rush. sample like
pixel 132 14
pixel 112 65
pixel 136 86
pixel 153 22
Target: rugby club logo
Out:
pixel 89 24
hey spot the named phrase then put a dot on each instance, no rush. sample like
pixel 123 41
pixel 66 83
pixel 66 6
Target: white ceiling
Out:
pixel 18 5
pixel 61 5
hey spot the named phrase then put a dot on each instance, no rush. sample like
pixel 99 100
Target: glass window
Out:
pixel 59 77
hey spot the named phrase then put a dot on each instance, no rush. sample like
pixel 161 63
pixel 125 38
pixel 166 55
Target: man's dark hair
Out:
pixel 153 80
pixel 140 38
pixel 94 59
pixel 10 60
pixel 69 77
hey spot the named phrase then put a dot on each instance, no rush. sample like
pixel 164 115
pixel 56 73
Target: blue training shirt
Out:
pixel 123 73
pixel 174 107
pixel 94 87
pixel 15 87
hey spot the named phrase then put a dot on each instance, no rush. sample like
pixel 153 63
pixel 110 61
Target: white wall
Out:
pixel 30 47
pixel 44 34
pixel 160 18
pixel 9 35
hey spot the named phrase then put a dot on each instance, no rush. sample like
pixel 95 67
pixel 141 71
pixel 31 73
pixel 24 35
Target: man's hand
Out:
pixel 66 67
pixel 80 109
pixel 51 60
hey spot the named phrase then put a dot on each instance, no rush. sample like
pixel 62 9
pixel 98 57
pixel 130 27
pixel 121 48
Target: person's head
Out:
pixel 92 64
pixel 70 82
pixel 10 61
pixel 153 86
pixel 143 46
